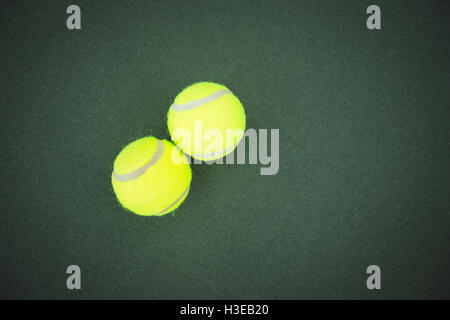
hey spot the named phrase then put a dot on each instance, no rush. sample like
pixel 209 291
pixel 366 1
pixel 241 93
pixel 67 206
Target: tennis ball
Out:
pixel 151 177
pixel 206 121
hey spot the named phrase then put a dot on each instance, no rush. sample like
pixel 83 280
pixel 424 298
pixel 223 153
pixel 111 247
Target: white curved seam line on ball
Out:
pixel 215 153
pixel 200 102
pixel 140 171
pixel 176 201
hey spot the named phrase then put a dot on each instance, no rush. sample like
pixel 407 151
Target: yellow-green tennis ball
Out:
pixel 206 121
pixel 151 177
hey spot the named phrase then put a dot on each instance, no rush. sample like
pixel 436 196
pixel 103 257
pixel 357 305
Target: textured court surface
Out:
pixel 364 149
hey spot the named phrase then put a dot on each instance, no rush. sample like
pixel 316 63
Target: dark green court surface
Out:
pixel 363 117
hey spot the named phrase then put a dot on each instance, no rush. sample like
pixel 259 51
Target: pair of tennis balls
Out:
pixel 146 178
